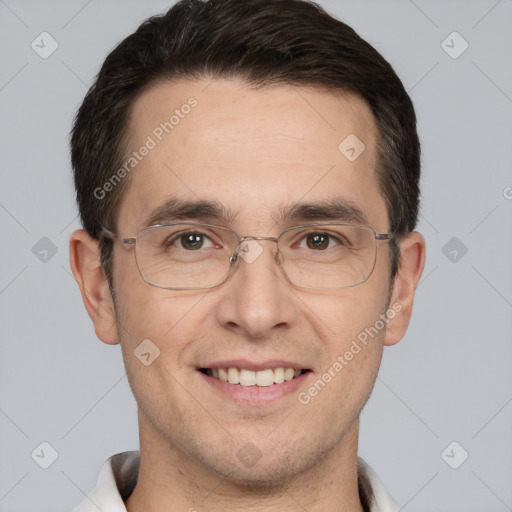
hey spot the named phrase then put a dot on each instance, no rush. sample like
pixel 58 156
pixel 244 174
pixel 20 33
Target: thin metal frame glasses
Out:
pixel 193 256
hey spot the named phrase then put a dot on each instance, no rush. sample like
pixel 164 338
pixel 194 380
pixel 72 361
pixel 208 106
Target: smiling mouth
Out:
pixel 246 378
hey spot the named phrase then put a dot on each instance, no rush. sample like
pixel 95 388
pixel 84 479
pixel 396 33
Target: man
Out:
pixel 247 177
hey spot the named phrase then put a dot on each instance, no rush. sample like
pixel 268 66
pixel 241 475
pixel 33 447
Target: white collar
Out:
pixel 118 477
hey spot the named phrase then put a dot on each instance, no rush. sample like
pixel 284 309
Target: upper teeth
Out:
pixel 251 378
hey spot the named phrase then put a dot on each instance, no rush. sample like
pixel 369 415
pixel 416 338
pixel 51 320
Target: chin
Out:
pixel 269 470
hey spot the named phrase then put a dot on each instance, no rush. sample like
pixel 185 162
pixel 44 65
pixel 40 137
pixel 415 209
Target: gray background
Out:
pixel 448 380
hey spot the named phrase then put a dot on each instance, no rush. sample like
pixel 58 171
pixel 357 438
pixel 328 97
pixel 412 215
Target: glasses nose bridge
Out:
pixel 243 239
pixel 247 238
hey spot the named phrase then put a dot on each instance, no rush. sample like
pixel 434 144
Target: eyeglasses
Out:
pixel 189 256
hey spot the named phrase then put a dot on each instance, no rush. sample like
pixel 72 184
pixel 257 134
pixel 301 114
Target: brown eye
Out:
pixel 318 241
pixel 192 241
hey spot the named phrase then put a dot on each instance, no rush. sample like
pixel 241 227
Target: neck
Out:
pixel 170 479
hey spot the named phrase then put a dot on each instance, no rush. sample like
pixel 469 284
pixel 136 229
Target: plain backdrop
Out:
pixel 448 381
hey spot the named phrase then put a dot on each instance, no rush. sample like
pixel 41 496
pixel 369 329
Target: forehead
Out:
pixel 253 151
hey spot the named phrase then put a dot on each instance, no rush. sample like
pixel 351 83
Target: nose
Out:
pixel 257 298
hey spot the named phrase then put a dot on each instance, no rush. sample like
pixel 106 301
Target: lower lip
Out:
pixel 248 395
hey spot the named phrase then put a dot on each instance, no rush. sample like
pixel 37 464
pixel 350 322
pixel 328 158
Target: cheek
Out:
pixel 145 311
pixel 352 329
pixel 170 322
pixel 157 330
pixel 358 340
pixel 354 351
pixel 340 318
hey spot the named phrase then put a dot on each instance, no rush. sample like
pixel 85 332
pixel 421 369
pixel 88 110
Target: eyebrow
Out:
pixel 337 210
pixel 178 209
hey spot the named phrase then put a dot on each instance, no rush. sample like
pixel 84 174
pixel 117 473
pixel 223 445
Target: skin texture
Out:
pixel 253 151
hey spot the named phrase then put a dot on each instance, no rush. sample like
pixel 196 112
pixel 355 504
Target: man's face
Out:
pixel 257 153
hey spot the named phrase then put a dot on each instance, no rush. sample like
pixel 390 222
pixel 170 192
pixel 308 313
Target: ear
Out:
pixel 412 250
pixel 85 260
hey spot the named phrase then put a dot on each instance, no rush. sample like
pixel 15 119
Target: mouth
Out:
pixel 243 377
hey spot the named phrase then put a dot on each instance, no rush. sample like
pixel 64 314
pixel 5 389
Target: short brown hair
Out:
pixel 264 42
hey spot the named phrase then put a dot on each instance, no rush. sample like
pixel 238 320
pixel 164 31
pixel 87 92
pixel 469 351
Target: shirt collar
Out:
pixel 118 477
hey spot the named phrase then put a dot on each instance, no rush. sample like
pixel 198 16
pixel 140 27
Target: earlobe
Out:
pixel 85 261
pixel 412 248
